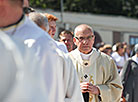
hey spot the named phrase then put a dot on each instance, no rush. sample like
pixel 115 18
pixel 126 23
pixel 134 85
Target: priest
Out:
pixel 97 72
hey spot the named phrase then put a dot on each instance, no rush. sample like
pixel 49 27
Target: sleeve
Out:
pixel 111 89
pixel 125 72
pixel 72 85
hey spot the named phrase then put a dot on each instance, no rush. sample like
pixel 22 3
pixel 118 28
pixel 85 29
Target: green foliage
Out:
pixel 114 7
pixel 38 3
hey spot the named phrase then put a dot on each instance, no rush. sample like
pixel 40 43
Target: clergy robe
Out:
pixel 21 79
pixel 60 77
pixel 100 70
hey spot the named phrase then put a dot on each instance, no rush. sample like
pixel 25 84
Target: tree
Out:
pixel 111 7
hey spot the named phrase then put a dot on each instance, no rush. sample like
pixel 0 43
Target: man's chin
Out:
pixel 86 51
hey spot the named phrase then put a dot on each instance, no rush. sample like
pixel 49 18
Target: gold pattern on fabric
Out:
pixel 91 81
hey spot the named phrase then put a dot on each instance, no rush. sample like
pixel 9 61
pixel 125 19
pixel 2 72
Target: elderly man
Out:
pixel 40 20
pixel 53 62
pixel 97 72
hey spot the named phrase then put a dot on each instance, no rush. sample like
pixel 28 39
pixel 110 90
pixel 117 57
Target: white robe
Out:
pixel 100 70
pixel 60 77
pixel 19 77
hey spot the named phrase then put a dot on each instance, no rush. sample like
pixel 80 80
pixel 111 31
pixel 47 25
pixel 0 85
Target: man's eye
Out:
pixel 63 40
pixel 89 37
pixel 81 38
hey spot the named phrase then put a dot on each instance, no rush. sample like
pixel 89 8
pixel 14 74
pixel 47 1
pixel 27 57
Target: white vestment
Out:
pixel 61 46
pixel 19 73
pixel 100 70
pixel 60 77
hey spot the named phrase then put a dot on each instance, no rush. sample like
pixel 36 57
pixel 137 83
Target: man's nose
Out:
pixel 85 41
pixel 66 41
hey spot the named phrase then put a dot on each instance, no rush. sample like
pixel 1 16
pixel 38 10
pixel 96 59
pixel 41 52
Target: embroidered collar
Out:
pixel 76 55
pixel 86 56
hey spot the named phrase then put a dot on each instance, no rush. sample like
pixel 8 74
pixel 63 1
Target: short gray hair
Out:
pixel 81 27
pixel 39 19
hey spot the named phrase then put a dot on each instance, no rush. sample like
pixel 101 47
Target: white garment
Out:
pixel 119 60
pixel 60 77
pixel 99 70
pixel 86 56
pixel 61 46
pixel 19 77
pixel 135 58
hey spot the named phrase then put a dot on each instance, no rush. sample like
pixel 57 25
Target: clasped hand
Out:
pixel 88 87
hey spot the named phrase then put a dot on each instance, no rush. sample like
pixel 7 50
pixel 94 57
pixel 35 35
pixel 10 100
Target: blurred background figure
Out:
pixel 119 56
pixel 107 49
pixel 99 45
pixel 40 20
pixel 129 76
pixel 52 30
pixel 52 24
pixel 66 37
pixel 127 50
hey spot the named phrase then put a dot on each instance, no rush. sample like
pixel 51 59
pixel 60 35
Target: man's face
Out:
pixel 121 50
pixel 84 40
pixel 52 28
pixel 68 40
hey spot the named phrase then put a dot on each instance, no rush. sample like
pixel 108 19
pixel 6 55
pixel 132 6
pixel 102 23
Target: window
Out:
pixel 133 40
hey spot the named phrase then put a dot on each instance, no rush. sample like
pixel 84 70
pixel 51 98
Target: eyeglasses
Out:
pixel 121 47
pixel 27 10
pixel 85 38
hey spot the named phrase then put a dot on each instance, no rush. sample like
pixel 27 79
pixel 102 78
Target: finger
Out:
pixel 84 91
pixel 84 83
pixel 85 86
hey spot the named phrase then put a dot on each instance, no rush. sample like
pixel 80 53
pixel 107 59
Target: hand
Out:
pixel 88 87
pixel 93 89
pixel 84 87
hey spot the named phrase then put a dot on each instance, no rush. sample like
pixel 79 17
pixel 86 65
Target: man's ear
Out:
pixel 74 40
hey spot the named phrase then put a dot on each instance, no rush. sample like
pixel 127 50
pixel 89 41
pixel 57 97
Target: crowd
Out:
pixel 36 68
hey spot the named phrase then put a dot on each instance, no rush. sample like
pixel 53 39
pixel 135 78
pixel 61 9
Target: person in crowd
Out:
pixel 99 45
pixel 107 49
pixel 127 51
pixel 99 79
pixel 129 77
pixel 60 87
pixel 40 20
pixel 52 30
pixel 66 37
pixel 119 56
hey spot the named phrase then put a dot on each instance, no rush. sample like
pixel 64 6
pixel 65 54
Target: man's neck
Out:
pixel 8 18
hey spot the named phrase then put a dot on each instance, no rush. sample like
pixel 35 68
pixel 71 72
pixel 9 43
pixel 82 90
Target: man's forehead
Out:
pixel 83 32
pixel 62 37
